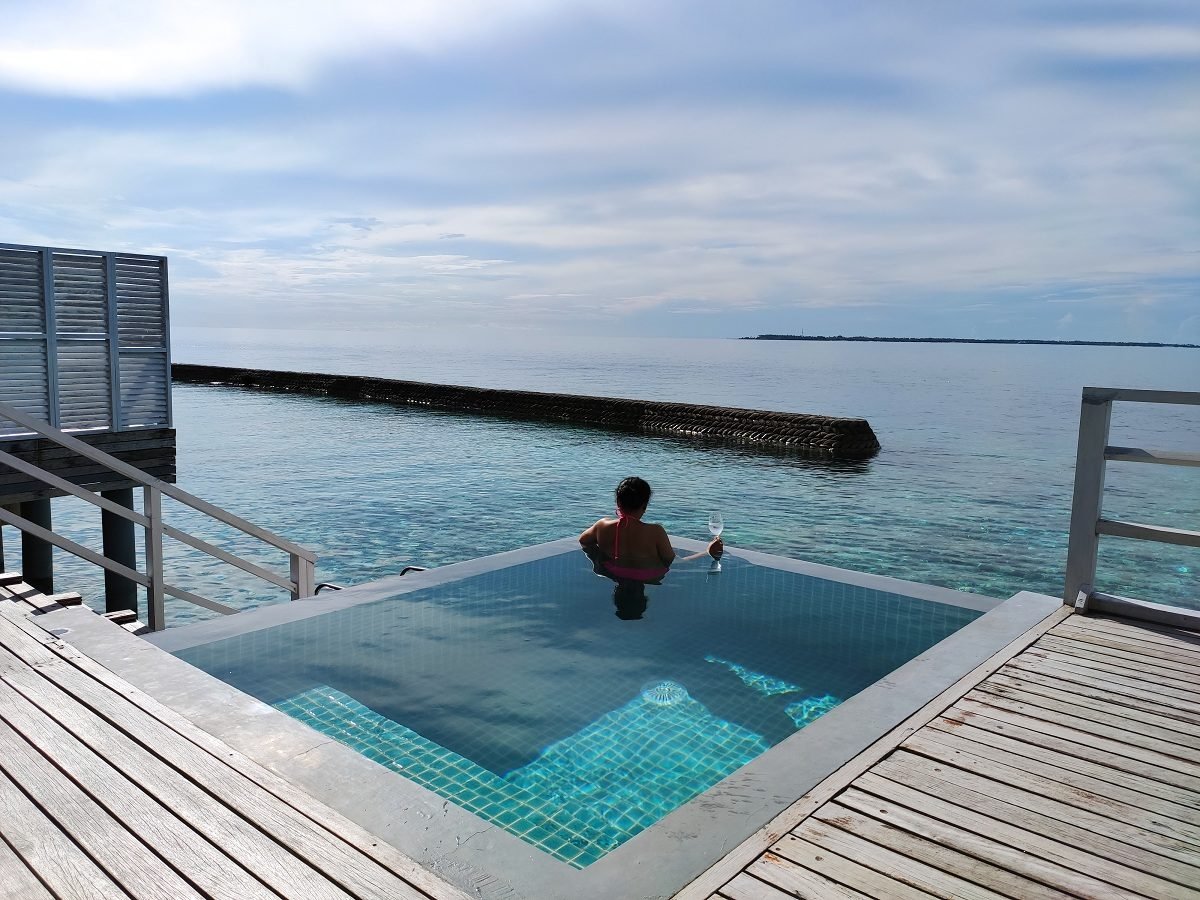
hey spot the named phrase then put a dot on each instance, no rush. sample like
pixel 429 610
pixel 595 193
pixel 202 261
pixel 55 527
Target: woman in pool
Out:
pixel 627 548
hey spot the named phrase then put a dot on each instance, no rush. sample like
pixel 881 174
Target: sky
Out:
pixel 1029 168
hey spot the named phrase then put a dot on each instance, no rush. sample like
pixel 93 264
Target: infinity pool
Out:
pixel 568 711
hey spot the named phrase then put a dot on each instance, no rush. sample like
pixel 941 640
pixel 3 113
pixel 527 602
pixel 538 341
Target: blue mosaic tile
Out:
pixel 583 795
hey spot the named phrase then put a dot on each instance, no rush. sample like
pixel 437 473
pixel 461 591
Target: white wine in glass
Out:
pixel 716 524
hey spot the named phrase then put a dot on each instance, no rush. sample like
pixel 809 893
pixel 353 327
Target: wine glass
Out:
pixel 716 524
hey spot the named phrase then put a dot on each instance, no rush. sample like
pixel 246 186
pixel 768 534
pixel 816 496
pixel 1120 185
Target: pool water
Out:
pixel 571 712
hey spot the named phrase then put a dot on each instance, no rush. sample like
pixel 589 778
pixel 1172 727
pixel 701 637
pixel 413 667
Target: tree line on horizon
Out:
pixel 945 340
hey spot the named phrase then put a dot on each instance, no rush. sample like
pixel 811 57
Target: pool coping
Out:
pixel 483 858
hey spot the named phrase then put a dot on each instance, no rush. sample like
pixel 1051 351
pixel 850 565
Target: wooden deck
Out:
pixel 104 793
pixel 1071 769
pixel 1068 765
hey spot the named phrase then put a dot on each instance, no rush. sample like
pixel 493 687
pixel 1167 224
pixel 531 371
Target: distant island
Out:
pixel 937 340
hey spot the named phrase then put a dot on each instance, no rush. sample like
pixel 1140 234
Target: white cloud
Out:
pixel 141 48
pixel 1130 42
pixel 840 166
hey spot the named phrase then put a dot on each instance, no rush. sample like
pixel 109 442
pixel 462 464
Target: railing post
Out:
pixel 119 546
pixel 152 509
pixel 1094 417
pixel 304 574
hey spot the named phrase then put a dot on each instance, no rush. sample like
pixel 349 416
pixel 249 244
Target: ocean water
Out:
pixel 972 489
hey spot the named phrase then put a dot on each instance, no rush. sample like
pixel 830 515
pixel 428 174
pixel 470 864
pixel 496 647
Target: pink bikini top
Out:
pixel 622 519
pixel 647 574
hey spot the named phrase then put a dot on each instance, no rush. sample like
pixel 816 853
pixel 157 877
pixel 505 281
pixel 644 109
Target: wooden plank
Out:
pixel 925 879
pixel 733 861
pixel 1156 765
pixel 1107 680
pixel 1089 722
pixel 1089 686
pixel 1050 816
pixel 31 491
pixel 935 854
pixel 1124 659
pixel 1028 855
pixel 844 871
pixel 1119 641
pixel 339 861
pixel 747 887
pixel 1124 708
pixel 16 878
pixel 1147 632
pixel 67 598
pixel 1117 645
pixel 164 834
pixel 797 881
pixel 1180 688
pixel 1169 816
pixel 241 840
pixel 31 597
pixel 62 484
pixel 78 471
pixel 139 871
pixel 45 849
pixel 1026 742
pixel 349 854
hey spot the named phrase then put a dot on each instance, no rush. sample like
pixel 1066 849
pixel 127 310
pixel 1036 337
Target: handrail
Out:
pixel 1133 395
pixel 135 474
pixel 301 581
pixel 1087 520
pixel 1162 457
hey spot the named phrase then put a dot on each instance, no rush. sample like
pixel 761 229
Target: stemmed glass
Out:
pixel 716 524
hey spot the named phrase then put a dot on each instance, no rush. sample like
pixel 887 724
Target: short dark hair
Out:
pixel 633 493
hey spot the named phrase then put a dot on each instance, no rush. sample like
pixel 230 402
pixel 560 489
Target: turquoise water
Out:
pixel 972 489
pixel 522 696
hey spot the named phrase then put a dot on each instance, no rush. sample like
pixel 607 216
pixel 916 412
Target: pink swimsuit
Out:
pixel 629 573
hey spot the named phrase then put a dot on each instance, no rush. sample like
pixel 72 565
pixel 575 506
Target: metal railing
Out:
pixel 301 580
pixel 1087 518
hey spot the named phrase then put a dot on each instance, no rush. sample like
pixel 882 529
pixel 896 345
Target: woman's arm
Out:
pixel 715 548
pixel 666 552
pixel 590 538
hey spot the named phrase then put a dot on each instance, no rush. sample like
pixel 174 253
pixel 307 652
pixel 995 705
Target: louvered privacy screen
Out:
pixel 84 338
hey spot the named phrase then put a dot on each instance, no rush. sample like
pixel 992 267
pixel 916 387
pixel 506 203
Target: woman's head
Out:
pixel 633 494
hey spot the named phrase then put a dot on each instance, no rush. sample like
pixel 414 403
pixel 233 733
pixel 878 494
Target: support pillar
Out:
pixel 119 546
pixel 3 568
pixel 37 556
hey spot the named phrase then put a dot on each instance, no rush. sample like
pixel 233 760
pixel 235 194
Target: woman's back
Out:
pixel 634 543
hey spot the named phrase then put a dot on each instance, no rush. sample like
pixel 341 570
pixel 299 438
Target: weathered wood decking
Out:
pixel 1068 765
pixel 104 792
pixel 1070 770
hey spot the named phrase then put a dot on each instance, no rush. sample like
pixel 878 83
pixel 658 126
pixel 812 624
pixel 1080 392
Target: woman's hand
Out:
pixel 715 548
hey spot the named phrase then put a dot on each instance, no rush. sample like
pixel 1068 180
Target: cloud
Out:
pixel 1130 42
pixel 613 163
pixel 148 48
